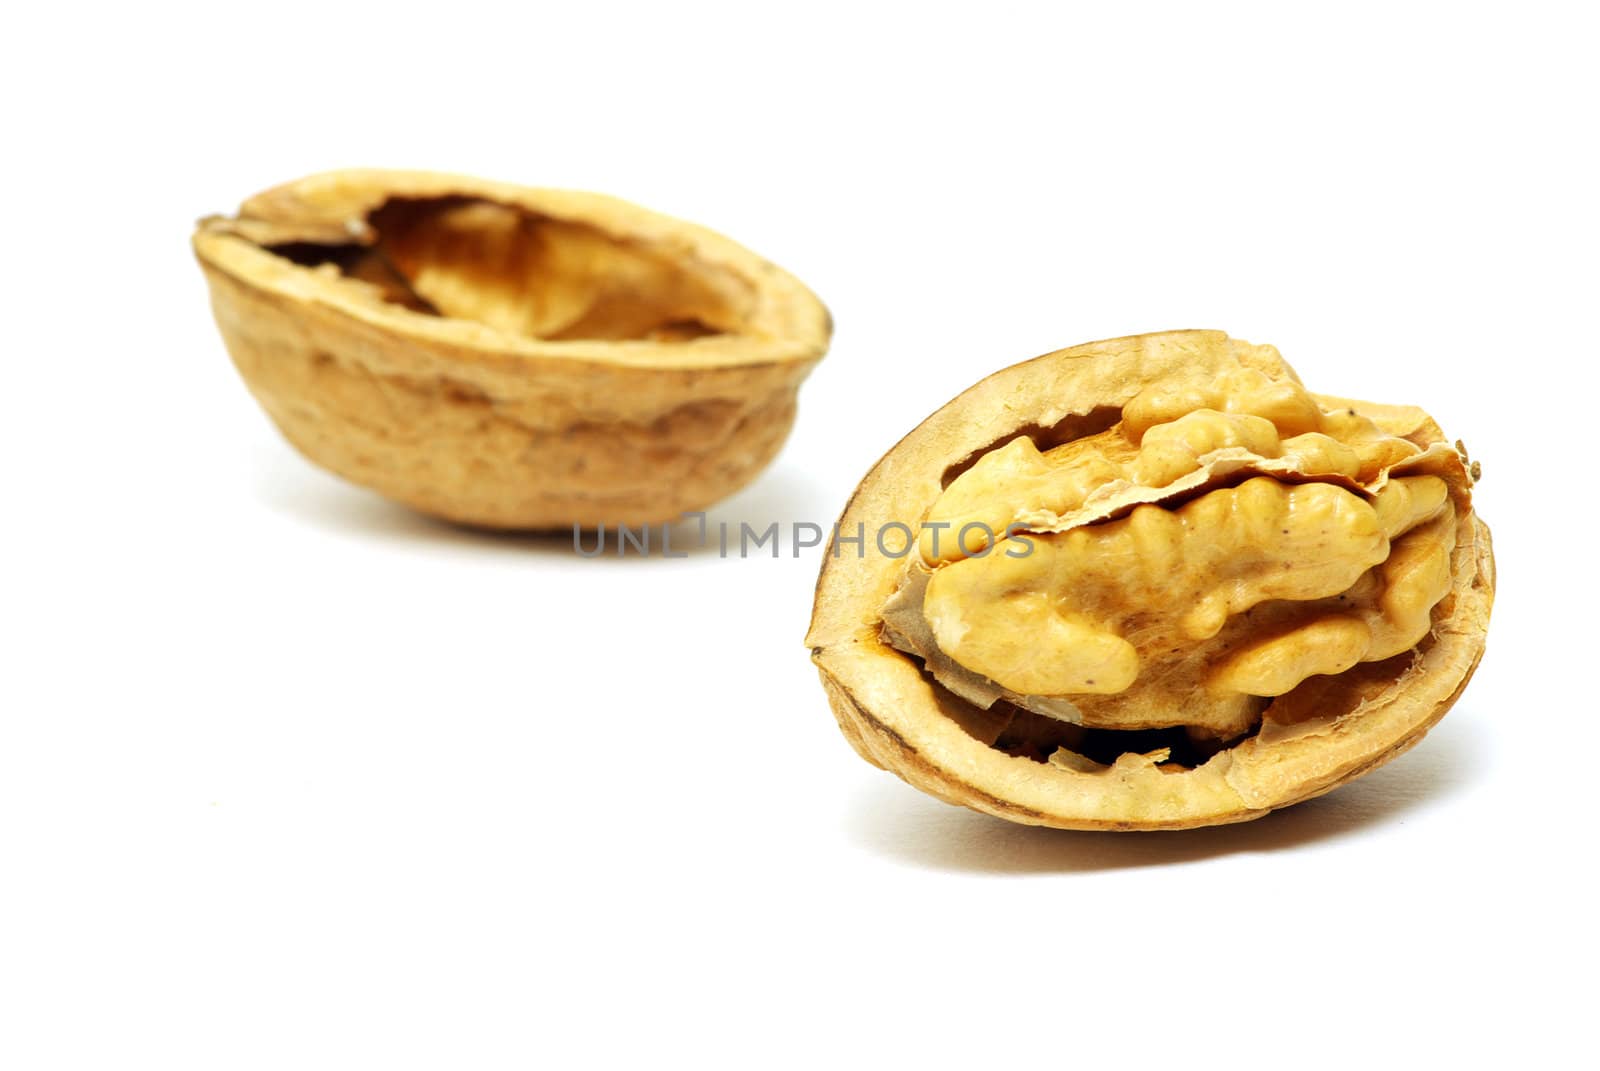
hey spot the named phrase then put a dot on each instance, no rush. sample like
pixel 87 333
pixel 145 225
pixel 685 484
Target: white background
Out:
pixel 292 778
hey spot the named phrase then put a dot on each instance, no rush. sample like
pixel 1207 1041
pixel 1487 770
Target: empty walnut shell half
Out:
pixel 510 357
pixel 1152 583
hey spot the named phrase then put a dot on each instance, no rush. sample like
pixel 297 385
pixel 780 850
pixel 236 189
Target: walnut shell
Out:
pixel 510 357
pixel 892 665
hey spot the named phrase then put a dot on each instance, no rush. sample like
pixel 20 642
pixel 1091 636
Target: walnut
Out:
pixel 1155 583
pixel 510 357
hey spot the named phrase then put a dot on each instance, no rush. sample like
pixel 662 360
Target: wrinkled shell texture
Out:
pixel 510 357
pixel 1154 583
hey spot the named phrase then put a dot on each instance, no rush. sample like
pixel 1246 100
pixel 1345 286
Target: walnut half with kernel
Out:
pixel 1154 583
pixel 510 357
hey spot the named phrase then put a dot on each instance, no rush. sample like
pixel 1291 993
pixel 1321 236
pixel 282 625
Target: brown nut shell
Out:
pixel 898 714
pixel 510 357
